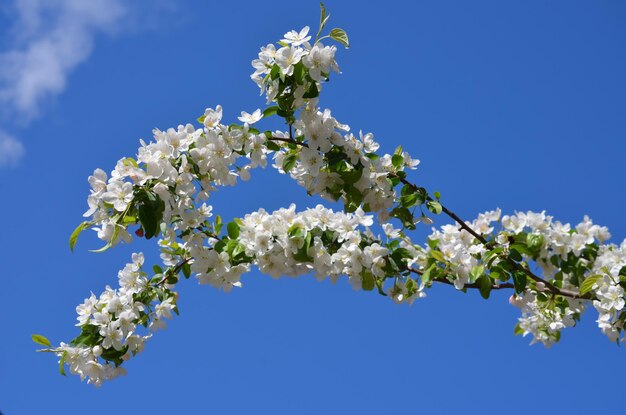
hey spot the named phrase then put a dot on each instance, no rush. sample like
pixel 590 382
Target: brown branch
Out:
pixel 175 271
pixel 549 286
pixel 502 286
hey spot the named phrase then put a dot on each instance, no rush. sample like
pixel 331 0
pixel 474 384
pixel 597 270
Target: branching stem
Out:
pixel 518 267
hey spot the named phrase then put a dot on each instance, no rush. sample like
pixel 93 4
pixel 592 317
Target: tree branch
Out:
pixel 518 267
pixel 551 287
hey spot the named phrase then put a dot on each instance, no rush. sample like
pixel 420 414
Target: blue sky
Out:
pixel 517 105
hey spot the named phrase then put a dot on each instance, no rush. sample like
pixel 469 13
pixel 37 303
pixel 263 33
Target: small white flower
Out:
pixel 287 57
pixel 212 117
pixel 251 118
pixel 119 194
pixel 294 38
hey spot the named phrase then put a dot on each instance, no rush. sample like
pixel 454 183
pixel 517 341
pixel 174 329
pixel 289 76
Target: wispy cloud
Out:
pixel 11 150
pixel 51 38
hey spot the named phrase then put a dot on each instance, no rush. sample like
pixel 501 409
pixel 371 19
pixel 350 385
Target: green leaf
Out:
pixel 296 231
pixel 515 255
pixel 129 219
pixel 587 285
pixel 476 273
pixel 409 200
pixel 340 36
pixel 89 336
pixel 62 363
pixel 354 197
pixel 299 72
pixel 289 161
pixel 351 176
pixel 129 161
pixel 104 248
pixel 518 330
pixel 397 160
pixel 412 196
pixel 405 216
pixel 492 255
pixel 201 119
pixel 150 212
pixel 484 286
pixel 380 287
pixel 312 92
pixel 437 195
pixel 272 145
pixel 275 72
pixel 519 281
pixel 218 224
pixel 233 230
pixel 434 206
pixel 238 250
pixel 368 282
pixel 521 248
pixel 323 18
pixel 303 253
pixel 219 246
pixel 77 231
pixel 186 270
pixel 426 274
pixel 269 111
pixel 399 255
pixel 42 340
pixel 437 255
pixel 411 286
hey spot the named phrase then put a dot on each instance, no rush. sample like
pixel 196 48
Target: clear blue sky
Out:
pixel 517 105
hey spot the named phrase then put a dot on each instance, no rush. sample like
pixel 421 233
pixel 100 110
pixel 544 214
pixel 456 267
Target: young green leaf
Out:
pixel 233 230
pixel 42 340
pixel 434 207
pixel 77 231
pixel 340 36
pixel 368 282
pixel 272 145
pixel 587 284
pixel 397 160
pixel 515 255
pixel 62 364
pixel 519 281
pixel 323 17
pixel 426 275
pixel 484 286
pixel 186 270
pixel 289 161
pixel 269 111
pixel 437 255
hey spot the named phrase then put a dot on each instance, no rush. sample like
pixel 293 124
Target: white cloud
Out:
pixel 51 37
pixel 47 40
pixel 11 150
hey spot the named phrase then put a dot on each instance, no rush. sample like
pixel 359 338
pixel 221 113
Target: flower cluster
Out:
pixel 308 65
pixel 163 191
pixel 573 260
pixel 110 324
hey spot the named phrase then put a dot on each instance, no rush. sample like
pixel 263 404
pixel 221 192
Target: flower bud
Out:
pixel 97 350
